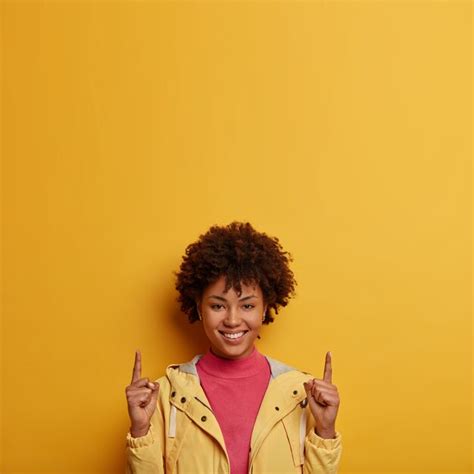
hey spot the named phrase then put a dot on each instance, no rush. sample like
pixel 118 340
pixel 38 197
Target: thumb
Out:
pixel 156 389
pixel 308 386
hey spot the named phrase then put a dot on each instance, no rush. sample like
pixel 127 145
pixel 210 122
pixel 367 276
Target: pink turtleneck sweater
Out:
pixel 235 390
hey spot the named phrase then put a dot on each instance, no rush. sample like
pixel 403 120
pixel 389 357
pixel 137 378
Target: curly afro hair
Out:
pixel 241 254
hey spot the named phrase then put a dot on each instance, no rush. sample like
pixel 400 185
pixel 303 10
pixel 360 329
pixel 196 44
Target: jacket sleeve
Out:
pixel 322 455
pixel 144 454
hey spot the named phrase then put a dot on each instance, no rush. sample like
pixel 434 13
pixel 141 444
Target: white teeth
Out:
pixel 233 336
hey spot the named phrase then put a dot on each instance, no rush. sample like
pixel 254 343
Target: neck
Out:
pixel 232 368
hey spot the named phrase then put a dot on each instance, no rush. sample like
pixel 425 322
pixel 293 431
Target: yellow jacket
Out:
pixel 185 437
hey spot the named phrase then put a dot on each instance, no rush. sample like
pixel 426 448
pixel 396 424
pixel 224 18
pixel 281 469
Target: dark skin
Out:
pixel 142 396
pixel 323 399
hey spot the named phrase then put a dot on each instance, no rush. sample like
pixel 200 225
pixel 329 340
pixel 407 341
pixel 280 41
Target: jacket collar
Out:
pixel 276 367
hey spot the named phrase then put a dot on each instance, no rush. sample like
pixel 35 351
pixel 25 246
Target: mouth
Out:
pixel 233 336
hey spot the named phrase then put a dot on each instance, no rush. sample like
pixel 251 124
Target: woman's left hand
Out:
pixel 323 400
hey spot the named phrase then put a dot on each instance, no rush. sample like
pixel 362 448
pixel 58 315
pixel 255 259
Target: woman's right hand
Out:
pixel 141 398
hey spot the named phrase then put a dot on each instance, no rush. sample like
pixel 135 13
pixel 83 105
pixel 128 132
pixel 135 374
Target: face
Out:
pixel 231 323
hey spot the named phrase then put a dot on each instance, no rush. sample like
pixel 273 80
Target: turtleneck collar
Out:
pixel 232 368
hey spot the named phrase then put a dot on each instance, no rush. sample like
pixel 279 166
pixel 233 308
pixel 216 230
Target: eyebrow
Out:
pixel 241 299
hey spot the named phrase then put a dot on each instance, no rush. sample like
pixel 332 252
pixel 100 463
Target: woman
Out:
pixel 233 410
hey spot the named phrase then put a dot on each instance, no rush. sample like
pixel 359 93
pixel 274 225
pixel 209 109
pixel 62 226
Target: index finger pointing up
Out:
pixel 328 368
pixel 137 367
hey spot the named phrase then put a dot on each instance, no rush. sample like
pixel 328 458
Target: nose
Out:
pixel 232 318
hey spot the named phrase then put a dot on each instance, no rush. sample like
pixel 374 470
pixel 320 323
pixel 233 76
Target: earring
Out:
pixel 199 314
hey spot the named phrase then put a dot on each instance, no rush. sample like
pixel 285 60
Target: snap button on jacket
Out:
pixel 185 437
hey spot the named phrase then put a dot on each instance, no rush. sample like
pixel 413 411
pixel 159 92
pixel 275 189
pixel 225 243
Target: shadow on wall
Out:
pixel 180 342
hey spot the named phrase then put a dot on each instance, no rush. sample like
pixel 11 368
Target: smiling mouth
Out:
pixel 233 336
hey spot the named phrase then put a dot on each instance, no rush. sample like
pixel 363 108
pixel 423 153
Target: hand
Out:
pixel 141 398
pixel 323 400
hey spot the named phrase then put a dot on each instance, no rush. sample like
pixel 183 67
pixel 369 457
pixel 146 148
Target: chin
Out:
pixel 236 353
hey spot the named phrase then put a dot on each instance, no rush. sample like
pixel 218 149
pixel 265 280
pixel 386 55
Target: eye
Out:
pixel 249 306
pixel 213 306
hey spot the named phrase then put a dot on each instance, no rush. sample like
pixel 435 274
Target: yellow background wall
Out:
pixel 343 128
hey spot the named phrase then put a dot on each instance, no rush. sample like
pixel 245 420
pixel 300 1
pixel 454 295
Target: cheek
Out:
pixel 209 333
pixel 255 323
pixel 210 325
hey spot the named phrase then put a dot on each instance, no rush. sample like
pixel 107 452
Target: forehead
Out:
pixel 218 287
